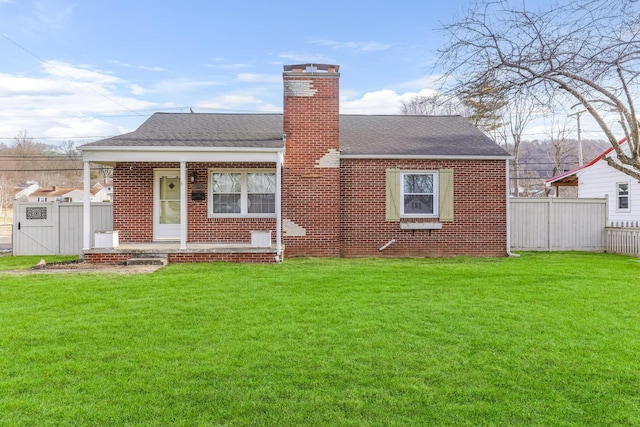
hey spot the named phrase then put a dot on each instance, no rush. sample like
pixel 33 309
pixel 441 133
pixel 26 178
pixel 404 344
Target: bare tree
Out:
pixel 516 116
pixel 29 156
pixel 585 52
pixel 7 190
pixel 563 153
pixel 433 105
pixel 105 172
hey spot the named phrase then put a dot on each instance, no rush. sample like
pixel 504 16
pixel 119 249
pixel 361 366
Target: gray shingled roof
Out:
pixel 359 134
pixel 202 130
pixel 414 136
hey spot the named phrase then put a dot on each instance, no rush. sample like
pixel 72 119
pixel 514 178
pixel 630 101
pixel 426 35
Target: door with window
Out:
pixel 166 209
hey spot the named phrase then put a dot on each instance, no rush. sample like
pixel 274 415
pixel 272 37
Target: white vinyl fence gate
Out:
pixel 55 228
pixel 558 224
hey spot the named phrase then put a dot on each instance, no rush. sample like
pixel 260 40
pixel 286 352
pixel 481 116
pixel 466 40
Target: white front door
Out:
pixel 166 204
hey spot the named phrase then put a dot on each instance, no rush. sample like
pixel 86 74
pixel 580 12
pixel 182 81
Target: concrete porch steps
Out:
pixel 148 261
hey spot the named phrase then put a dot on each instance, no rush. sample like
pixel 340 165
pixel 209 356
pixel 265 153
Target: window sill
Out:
pixel 239 216
pixel 420 225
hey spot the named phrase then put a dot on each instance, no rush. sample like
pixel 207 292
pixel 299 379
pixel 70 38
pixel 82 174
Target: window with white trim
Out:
pixel 235 193
pixel 419 194
pixel 622 196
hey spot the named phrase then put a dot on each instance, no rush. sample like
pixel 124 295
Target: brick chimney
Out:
pixel 311 172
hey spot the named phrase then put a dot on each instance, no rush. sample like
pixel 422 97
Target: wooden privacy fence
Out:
pixel 55 228
pixel 558 224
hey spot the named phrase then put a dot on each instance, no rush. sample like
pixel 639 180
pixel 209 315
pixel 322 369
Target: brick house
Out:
pixel 308 182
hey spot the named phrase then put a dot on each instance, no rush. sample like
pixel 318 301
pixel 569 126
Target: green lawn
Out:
pixel 544 339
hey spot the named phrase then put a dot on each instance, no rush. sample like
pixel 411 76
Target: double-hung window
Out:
pixel 236 193
pixel 419 196
pixel 622 196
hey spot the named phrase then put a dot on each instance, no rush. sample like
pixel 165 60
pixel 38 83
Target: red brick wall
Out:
pixel 479 226
pixel 246 257
pixel 133 205
pixel 133 200
pixel 310 194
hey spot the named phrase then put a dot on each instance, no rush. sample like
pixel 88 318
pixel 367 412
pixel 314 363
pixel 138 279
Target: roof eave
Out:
pixel 111 155
pixel 174 148
pixel 425 157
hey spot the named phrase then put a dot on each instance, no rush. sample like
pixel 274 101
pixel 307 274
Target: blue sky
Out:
pixel 95 68
pixel 85 70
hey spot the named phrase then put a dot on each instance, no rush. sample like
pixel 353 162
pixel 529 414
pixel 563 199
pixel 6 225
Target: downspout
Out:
pixel 86 209
pixel 279 207
pixel 508 213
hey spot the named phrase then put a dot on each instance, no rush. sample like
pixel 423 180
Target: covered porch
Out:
pixel 197 230
pixel 192 252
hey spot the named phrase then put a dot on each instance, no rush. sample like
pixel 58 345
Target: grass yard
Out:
pixel 548 339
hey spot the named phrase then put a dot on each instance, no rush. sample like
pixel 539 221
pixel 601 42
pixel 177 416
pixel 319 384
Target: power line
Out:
pixel 47 170
pixel 69 75
pixel 13 157
pixel 60 137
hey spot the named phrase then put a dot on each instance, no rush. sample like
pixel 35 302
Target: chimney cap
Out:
pixel 312 68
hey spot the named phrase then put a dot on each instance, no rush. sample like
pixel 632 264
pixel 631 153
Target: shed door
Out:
pixel 166 204
pixel 35 228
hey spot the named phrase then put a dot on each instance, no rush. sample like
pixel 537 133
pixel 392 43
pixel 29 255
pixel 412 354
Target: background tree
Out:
pixel 480 105
pixel 433 105
pixel 584 51
pixel 484 102
pixel 563 153
pixel 517 115
pixel 7 190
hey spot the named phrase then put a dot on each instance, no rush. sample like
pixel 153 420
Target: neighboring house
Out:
pixel 57 194
pixel 22 191
pixel 103 191
pixel 597 179
pixel 199 187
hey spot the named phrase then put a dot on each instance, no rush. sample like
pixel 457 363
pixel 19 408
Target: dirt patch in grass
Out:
pixel 78 266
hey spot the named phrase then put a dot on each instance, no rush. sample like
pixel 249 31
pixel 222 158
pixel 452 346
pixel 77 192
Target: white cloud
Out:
pixel 182 85
pixel 66 100
pixel 421 83
pixel 139 67
pixel 258 78
pixel 362 47
pixel 78 73
pixel 220 63
pixel 237 102
pixel 25 86
pixel 301 58
pixel 235 66
pixel 74 127
pixel 137 90
pixel 384 101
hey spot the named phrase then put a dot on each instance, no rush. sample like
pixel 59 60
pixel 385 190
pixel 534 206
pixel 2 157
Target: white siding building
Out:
pixel 599 180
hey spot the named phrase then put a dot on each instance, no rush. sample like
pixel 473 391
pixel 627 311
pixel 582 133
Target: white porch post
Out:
pixel 279 205
pixel 183 205
pixel 86 208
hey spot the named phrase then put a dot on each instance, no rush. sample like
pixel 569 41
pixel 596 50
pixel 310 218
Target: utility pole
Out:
pixel 577 114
